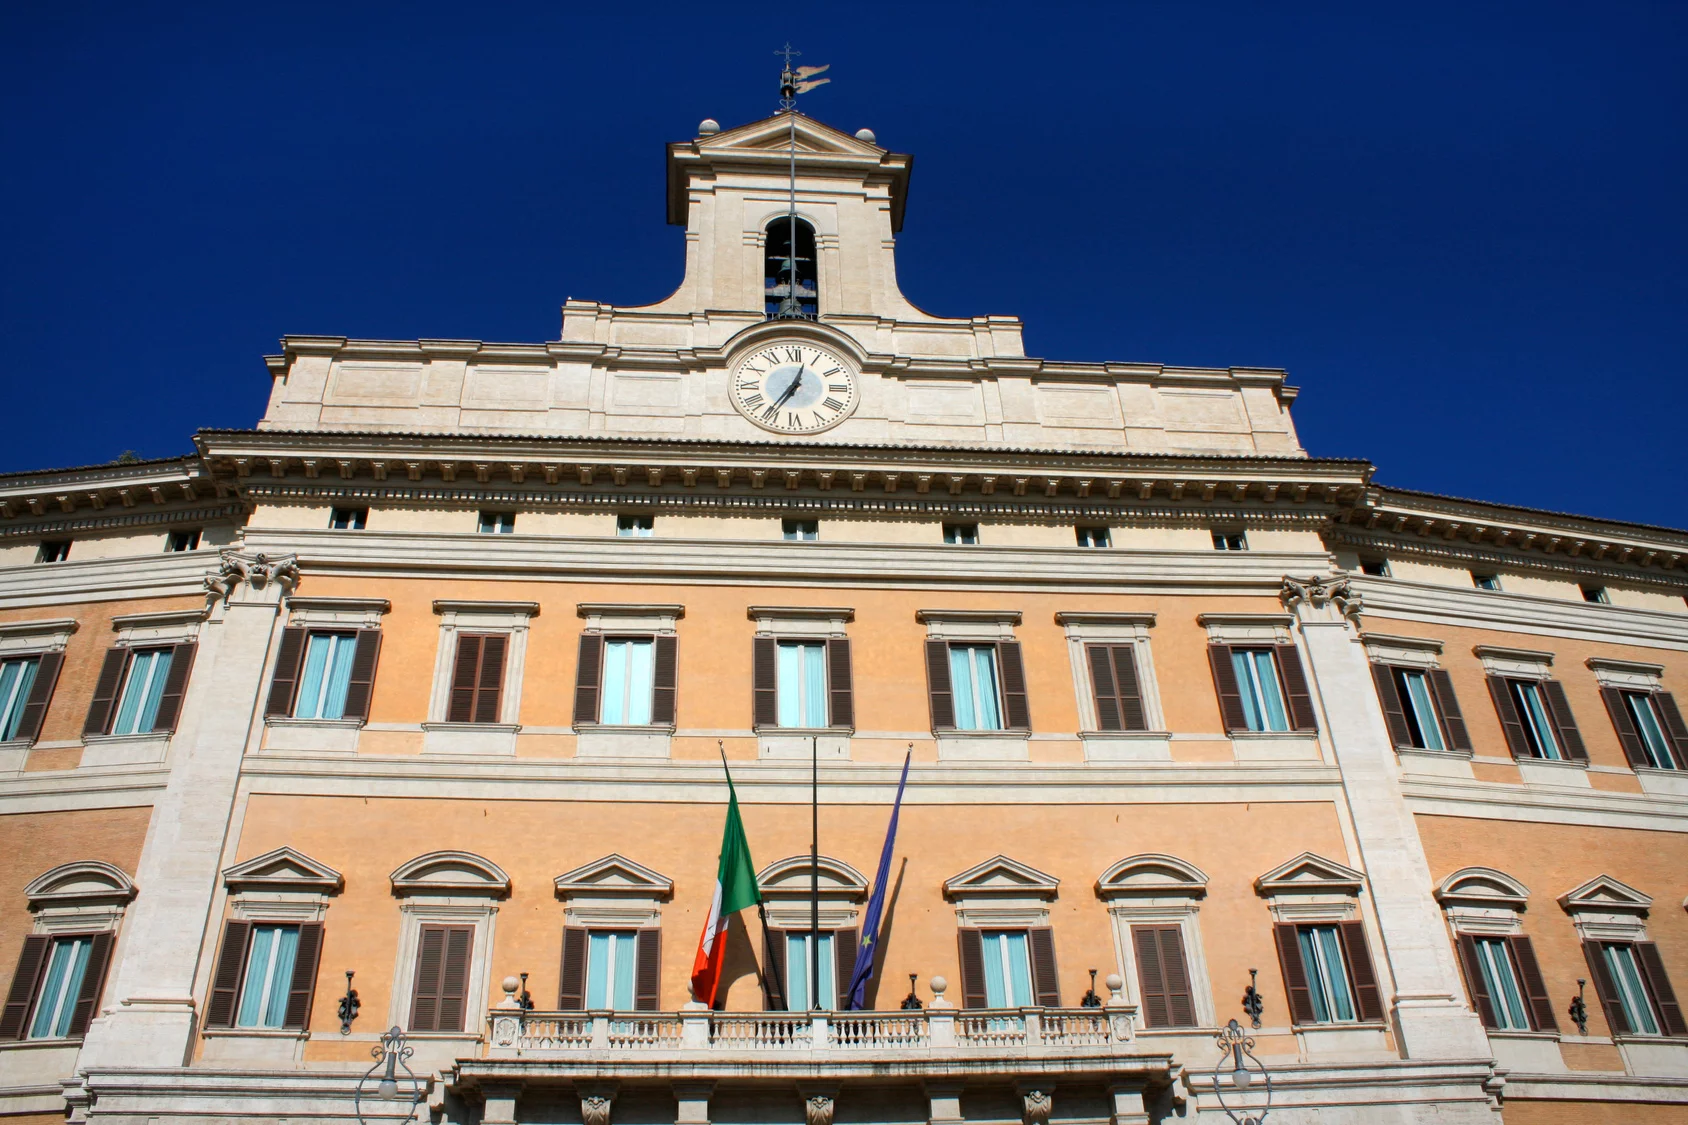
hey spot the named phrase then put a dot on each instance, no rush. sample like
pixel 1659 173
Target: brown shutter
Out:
pixel 1102 684
pixel 844 947
pixel 93 983
pixel 1017 714
pixel 32 961
pixel 1366 990
pixel 773 969
pixel 665 675
pixel 1480 998
pixel 1132 714
pixel 1296 693
pixel 588 678
pixel 1295 973
pixel 571 980
pixel 1605 989
pixel 1040 941
pixel 1151 976
pixel 361 685
pixel 1664 997
pixel 175 686
pixel 285 680
pixel 764 682
pixel 1225 683
pixel 840 684
pixel 425 995
pixel 489 684
pixel 454 977
pixel 1180 997
pixel 302 989
pixel 1510 723
pixel 938 686
pixel 647 969
pixel 225 981
pixel 40 692
pixel 1570 739
pixel 105 692
pixel 1394 714
pixel 464 672
pixel 972 967
pixel 1535 988
pixel 1453 719
pixel 1664 700
pixel 1624 724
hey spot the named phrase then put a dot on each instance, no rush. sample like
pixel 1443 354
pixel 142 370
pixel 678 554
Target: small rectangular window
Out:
pixel 269 976
pixel 800 679
pixel 54 550
pixel 611 958
pixel 1537 722
pixel 963 534
pixel 629 677
pixel 17 677
pixel 1229 541
pixel 61 987
pixel 1485 581
pixel 1377 568
pixel 183 541
pixel 348 519
pixel 1263 699
pixel 803 531
pixel 798 984
pixel 1596 594
pixel 973 679
pixel 1094 537
pixel 1327 974
pixel 497 523
pixel 1419 708
pixel 636 527
pixel 324 676
pixel 1642 712
pixel 143 689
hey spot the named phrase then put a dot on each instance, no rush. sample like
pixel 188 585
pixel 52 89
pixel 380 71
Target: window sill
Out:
pixel 40 1044
pixel 13 753
pixel 1435 763
pixel 1126 745
pixel 1546 771
pixel 623 742
pixel 793 743
pixel 1668 783
pixel 984 746
pixel 1275 745
pixel 341 735
pixel 1498 1033
pixel 255 1033
pixel 496 740
pixel 125 749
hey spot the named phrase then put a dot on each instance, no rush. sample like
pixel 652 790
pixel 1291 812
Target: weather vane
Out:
pixel 794 82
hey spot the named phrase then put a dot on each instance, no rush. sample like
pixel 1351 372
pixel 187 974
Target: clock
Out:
pixel 793 388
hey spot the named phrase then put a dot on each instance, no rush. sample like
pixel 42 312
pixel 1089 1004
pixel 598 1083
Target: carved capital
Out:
pixel 258 571
pixel 1318 596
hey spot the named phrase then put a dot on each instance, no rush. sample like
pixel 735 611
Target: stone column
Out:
pixel 1430 1017
pixel 150 1017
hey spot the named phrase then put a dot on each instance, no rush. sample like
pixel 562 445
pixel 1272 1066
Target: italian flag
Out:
pixel 735 889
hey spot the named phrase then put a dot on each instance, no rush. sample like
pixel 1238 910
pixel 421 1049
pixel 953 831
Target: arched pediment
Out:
pixel 1606 895
pixel 83 882
pixel 282 869
pixel 449 872
pixel 1310 874
pixel 1152 873
pixel 1000 875
pixel 789 878
pixel 1482 886
pixel 614 875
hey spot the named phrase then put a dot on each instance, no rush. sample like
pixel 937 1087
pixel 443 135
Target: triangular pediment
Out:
pixel 1482 886
pixel 1310 874
pixel 1000 875
pixel 788 878
pixel 774 134
pixel 1604 893
pixel 1152 874
pixel 614 875
pixel 280 868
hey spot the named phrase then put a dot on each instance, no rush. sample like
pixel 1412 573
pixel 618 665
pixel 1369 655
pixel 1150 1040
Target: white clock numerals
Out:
pixel 793 388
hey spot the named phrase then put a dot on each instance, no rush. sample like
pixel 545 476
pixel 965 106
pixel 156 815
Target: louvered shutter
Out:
pixel 972 946
pixel 1102 686
pixel 489 684
pixel 302 989
pixel 1225 683
pixel 285 680
pixel 1507 712
pixel 588 679
pixel 1570 739
pixel 1535 988
pixel 1040 942
pixel 1469 959
pixel 647 969
pixel 40 692
pixel 1624 723
pixel 93 983
pixel 1658 983
pixel 1296 692
pixel 1453 719
pixel 225 980
pixel 1663 700
pixel 844 946
pixel 1394 713
pixel 425 994
pixel 1151 976
pixel 938 685
pixel 26 979
pixel 1133 715
pixel 1605 989
pixel 1014 706
pixel 664 680
pixel 454 977
pixel 840 684
pixel 465 671
pixel 106 688
pixel 1300 993
pixel 773 969
pixel 1367 995
pixel 175 686
pixel 764 682
pixel 360 686
pixel 1180 997
pixel 571 979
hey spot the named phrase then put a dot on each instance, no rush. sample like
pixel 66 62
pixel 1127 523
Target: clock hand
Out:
pixel 796 382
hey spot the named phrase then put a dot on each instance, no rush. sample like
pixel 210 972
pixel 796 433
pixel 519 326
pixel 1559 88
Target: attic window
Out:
pixel 778 265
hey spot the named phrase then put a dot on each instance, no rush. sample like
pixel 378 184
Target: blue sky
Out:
pixel 1461 227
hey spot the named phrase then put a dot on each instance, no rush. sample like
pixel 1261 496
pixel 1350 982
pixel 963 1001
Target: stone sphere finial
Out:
pixel 511 984
pixel 938 985
pixel 866 135
pixel 708 127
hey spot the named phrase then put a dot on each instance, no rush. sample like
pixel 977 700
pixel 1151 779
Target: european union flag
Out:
pixel 863 971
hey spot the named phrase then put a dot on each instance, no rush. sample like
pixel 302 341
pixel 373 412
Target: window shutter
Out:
pixel 35 709
pixel 1296 693
pixel 1535 988
pixel 454 977
pixel 31 962
pixel 1570 739
pixel 1014 706
pixel 1366 991
pixel 1508 713
pixel 303 986
pixel 1664 997
pixel 1151 977
pixel 764 682
pixel 844 946
pixel 1480 998
pixel 588 679
pixel 1102 684
pixel 1133 716
pixel 1180 998
pixel 1040 941
pixel 361 684
pixel 93 983
pixel 939 689
pixel 773 969
pixel 1230 695
pixel 1624 724
pixel 1453 719
pixel 105 692
pixel 225 982
pixel 841 683
pixel 489 685
pixel 1295 973
pixel 571 980
pixel 1605 989
pixel 286 676
pixel 175 686
pixel 1394 714
pixel 464 672
pixel 1664 700
pixel 425 996
pixel 647 973
pixel 972 967
pixel 664 680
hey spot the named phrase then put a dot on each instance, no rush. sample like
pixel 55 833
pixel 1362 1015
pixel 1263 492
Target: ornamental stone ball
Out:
pixel 1114 982
pixel 865 135
pixel 708 127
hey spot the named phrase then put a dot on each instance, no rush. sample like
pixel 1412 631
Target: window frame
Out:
pixel 183 540
pixel 53 551
pixel 1085 630
pixel 961 534
pixel 1087 534
pixel 1159 890
pixel 635 525
pixel 492 521
pixel 1227 539
pixel 348 519
pixel 797 530
pixel 446 889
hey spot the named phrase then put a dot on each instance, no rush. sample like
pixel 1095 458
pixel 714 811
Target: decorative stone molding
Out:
pixel 1037 1103
pixel 81 883
pixel 51 634
pixel 801 621
pixel 1001 891
pixel 785 888
pixel 969 624
pixel 820 1102
pixel 1151 875
pixel 597 1100
pixel 1482 887
pixel 176 626
pixel 355 613
pixel 448 873
pixel 1498 661
pixel 257 570
pixel 1625 673
pixel 1317 593
pixel 1311 888
pixel 1605 895
pixel 613 891
pixel 1161 890
pixel 283 869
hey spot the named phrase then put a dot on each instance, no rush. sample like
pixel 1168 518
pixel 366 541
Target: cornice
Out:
pixel 121 578
pixel 135 492
pixel 1499 611
pixel 166 515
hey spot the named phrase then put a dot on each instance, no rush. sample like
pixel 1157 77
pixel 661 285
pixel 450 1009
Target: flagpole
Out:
pixel 814 873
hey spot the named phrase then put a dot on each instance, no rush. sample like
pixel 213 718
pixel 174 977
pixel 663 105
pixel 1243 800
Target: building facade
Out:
pixel 422 688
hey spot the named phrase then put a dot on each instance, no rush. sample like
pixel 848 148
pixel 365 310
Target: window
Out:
pixel 17 678
pixel 611 957
pixel 477 678
pixel 1008 970
pixel 1257 680
pixel 440 991
pixel 1115 688
pixel 973 679
pixel 54 550
pixel 1596 594
pixel 1377 568
pixel 182 541
pixel 1327 976
pixel 1229 541
pixel 1094 537
pixel 617 969
pixel 1420 708
pixel 326 675
pixel 801 678
pixel 803 531
pixel 67 965
pixel 265 975
pixel 780 298
pixel 1626 993
pixel 497 523
pixel 1500 981
pixel 1163 976
pixel 348 519
pixel 797 972
pixel 629 679
pixel 1485 581
pixel 269 976
pixel 962 534
pixel 1538 728
pixel 636 527
pixel 1648 725
pixel 143 691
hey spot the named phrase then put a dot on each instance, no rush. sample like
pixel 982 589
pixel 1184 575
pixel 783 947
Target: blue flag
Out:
pixel 870 922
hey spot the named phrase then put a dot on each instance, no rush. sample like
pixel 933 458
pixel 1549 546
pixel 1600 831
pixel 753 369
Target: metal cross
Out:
pixel 788 51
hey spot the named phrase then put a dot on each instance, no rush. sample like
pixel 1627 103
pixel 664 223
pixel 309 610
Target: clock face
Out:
pixel 793 388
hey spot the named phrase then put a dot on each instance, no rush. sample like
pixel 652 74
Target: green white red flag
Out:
pixel 735 889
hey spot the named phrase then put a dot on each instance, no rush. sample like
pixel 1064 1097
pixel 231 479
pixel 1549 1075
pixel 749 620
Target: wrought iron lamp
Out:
pixel 1253 1003
pixel 911 1002
pixel 1578 1010
pixel 1090 999
pixel 1236 1051
pixel 348 1006
pixel 390 1055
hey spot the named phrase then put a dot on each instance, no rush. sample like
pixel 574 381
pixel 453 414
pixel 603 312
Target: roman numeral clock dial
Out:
pixel 794 388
